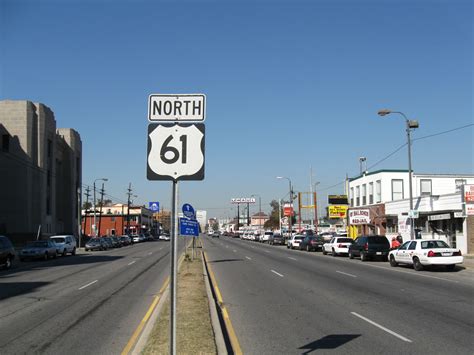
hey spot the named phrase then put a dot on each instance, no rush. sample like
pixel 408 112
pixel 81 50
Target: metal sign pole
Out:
pixel 173 286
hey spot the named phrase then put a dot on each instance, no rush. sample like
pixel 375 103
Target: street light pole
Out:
pixel 95 222
pixel 410 124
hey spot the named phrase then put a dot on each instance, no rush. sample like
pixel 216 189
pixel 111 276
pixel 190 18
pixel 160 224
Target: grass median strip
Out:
pixel 194 334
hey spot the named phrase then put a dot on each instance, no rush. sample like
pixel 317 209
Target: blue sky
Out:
pixel 289 85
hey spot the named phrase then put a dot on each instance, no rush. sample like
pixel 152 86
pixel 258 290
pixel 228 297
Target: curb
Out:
pixel 230 338
pixel 142 340
pixel 216 325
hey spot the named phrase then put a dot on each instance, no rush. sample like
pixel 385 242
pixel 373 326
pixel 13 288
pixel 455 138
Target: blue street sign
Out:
pixel 189 212
pixel 188 227
pixel 154 206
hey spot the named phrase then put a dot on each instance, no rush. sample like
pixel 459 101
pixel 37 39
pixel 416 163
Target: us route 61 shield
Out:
pixel 175 152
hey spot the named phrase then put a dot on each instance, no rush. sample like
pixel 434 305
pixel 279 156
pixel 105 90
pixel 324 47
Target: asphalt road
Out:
pixel 283 301
pixel 88 303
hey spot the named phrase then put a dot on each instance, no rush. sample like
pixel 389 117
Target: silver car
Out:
pixel 64 244
pixel 40 249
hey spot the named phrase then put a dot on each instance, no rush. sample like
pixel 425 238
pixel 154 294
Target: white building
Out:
pixel 379 204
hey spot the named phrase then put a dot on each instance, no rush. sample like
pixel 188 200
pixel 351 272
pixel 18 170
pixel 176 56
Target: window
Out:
pixel 364 195
pixel 371 193
pixel 397 189
pixel 459 183
pixel 5 143
pixel 358 196
pixel 404 246
pixel 352 197
pixel 378 191
pixel 112 219
pixel 425 187
pixel 412 246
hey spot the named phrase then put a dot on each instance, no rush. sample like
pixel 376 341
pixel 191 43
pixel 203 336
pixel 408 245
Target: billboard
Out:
pixel 338 211
pixel 338 200
pixel 288 210
pixel 357 217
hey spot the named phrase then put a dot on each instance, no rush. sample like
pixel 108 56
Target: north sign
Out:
pixel 175 151
pixel 173 108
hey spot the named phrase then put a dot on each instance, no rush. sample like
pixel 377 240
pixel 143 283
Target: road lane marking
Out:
pixel 90 283
pixel 266 251
pixel 345 273
pixel 235 251
pixel 133 262
pixel 226 246
pixel 277 273
pixel 291 258
pixel 248 258
pixel 150 253
pixel 382 327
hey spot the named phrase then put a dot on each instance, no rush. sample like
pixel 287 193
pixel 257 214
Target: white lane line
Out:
pixel 345 273
pixel 382 327
pixel 161 248
pixel 277 273
pixel 90 283
pixel 226 246
pixel 248 258
pixel 235 251
pixel 150 253
pixel 133 262
pixel 266 251
pixel 410 273
pixel 291 258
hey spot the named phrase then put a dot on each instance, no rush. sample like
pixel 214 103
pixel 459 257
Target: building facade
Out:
pixel 379 204
pixel 40 172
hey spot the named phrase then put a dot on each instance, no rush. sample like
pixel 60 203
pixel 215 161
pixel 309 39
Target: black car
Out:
pixel 312 243
pixel 7 252
pixel 370 247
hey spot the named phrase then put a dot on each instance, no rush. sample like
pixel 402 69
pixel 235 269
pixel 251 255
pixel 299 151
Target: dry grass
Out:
pixel 194 334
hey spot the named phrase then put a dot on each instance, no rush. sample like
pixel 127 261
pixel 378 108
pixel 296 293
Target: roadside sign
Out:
pixel 188 227
pixel 154 206
pixel 243 200
pixel 172 108
pixel 188 211
pixel 175 151
pixel 413 214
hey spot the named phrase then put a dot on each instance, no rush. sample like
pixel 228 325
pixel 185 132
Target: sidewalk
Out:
pixel 468 262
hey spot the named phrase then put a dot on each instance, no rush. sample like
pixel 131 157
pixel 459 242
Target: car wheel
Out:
pixel 416 264
pixel 333 253
pixel 55 255
pixel 86 249
pixel 450 267
pixel 64 252
pixel 73 251
pixel 392 261
pixel 22 259
pixel 350 255
pixel 324 252
pixel 8 262
pixel 46 256
pixel 363 257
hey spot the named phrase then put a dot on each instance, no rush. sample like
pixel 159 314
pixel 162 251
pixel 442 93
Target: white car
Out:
pixel 64 244
pixel 266 236
pixel 425 252
pixel 164 237
pixel 294 242
pixel 337 246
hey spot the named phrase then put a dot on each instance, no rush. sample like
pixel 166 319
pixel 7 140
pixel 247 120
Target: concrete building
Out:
pixel 379 204
pixel 40 172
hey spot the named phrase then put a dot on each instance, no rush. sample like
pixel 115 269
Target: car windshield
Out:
pixel 434 244
pixel 299 238
pixel 58 240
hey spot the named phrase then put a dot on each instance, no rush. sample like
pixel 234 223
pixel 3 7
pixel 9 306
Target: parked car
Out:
pixel 276 239
pixel 108 241
pixel 96 244
pixel 421 253
pixel 136 238
pixel 165 237
pixel 7 252
pixel 266 237
pixel 312 243
pixel 64 244
pixel 215 235
pixel 40 249
pixel 294 242
pixel 337 246
pixel 125 239
pixel 370 247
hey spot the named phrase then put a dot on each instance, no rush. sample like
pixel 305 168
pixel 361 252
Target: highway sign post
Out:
pixel 175 152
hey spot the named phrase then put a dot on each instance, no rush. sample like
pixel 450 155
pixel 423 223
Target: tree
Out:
pixel 86 205
pixel 273 222
pixel 215 227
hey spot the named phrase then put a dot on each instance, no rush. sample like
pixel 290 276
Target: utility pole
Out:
pixel 248 214
pixel 86 209
pixel 129 193
pixel 101 203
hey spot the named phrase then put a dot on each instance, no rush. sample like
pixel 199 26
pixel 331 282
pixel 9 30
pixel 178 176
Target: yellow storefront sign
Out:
pixel 338 211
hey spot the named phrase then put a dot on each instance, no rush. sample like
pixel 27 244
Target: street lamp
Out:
pixel 259 210
pixel 314 202
pixel 410 124
pixel 95 222
pixel 362 160
pixel 291 203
